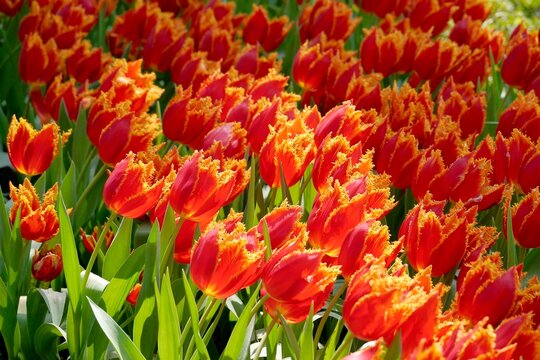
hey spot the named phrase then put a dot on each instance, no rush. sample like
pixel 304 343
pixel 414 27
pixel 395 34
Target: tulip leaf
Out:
pixel 56 303
pixel 394 350
pixel 80 143
pixel 307 348
pixel 291 338
pixel 284 187
pixel 330 347
pixel 69 186
pixel 238 344
pixel 532 263
pixel 46 340
pixel 511 257
pixel 119 339
pixel 194 313
pixel 249 212
pixel 119 250
pixel 4 160
pixel 169 325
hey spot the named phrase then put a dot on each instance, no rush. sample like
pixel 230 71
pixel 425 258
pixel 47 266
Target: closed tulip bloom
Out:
pixel 132 188
pixel 433 238
pixel 283 224
pixel 524 217
pixel 47 263
pixel 188 119
pixel 203 185
pixel 399 158
pixel 225 259
pixel 431 15
pixel 340 208
pixel 520 65
pixel 39 61
pixel 488 290
pixel 11 7
pixel 260 29
pixel 332 18
pixel 310 67
pixel 528 300
pixel 48 107
pixel 287 152
pixel 381 8
pixel 522 114
pixel 382 52
pixel 39 220
pixel 85 63
pixel 230 136
pixel 89 241
pixel 31 151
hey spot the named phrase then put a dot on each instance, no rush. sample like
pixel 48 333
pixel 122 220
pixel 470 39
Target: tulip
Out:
pixel 364 92
pixel 381 8
pixel 259 128
pixel 219 46
pixel 30 151
pixel 310 67
pixel 487 290
pixel 432 238
pixel 334 19
pixel 132 188
pixel 39 221
pixel 524 219
pixel 162 41
pixel 10 7
pixel 269 33
pixel 225 259
pixel 431 15
pixel 340 73
pixel 85 63
pixel 190 68
pixel 382 52
pixel 269 86
pixel 89 241
pixel 230 136
pixel 204 185
pixel 287 152
pixel 471 32
pixel 399 157
pixel 283 224
pixel 528 301
pixel 39 61
pixel 520 65
pixel 47 263
pixel 133 295
pixel 510 157
pixel 338 209
pixel 522 114
pixel 48 106
pixel 249 62
pixel 187 119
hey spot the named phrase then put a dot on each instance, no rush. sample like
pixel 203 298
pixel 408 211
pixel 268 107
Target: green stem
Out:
pixel 89 188
pixel 98 246
pixel 271 199
pixel 305 182
pixel 344 345
pixel 263 339
pixel 86 164
pixel 167 255
pixel 258 305
pixel 326 314
pixel 214 324
pixel 206 313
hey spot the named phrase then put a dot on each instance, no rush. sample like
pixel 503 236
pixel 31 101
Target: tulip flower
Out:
pixel 522 114
pixel 471 32
pixel 189 68
pixel 520 65
pixel 487 290
pixel 204 185
pixel 399 157
pixel 310 67
pixel 48 106
pixel 269 33
pixel 524 216
pixel 383 7
pixel 230 136
pixel 31 151
pixel 47 263
pixel 133 295
pixel 528 300
pixel 39 61
pixel 283 224
pixel 132 188
pixel 293 278
pixel 338 209
pixel 287 152
pixel 384 53
pixel 364 92
pixel 510 156
pixel 85 63
pixel 225 259
pixel 269 86
pixel 431 15
pixel 334 19
pixel 89 241
pixel 10 7
pixel 433 238
pixel 39 220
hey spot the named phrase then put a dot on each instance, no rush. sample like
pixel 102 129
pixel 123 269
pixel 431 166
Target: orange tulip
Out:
pixel 230 136
pixel 132 188
pixel 293 278
pixel 48 106
pixel 283 224
pixel 188 119
pixel 384 52
pixel 522 114
pixel 204 185
pixel 287 152
pixel 310 67
pixel 269 33
pixel 339 208
pixel 133 295
pixel 89 241
pixel 487 290
pixel 524 217
pixel 334 19
pixel 31 151
pixel 39 221
pixel 378 304
pixel 39 61
pixel 433 238
pixel 225 259
pixel 47 263
pixel 399 158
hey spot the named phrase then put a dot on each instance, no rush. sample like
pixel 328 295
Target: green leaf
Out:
pixel 194 313
pixel 80 143
pixel 56 303
pixel 169 325
pixel 331 344
pixel 307 349
pixel 511 257
pixel 291 338
pixel 46 340
pixel 119 250
pixel 532 263
pixel 238 344
pixel 69 187
pixel 284 188
pixel 249 212
pixel 70 258
pixel 394 350
pixel 4 160
pixel 119 339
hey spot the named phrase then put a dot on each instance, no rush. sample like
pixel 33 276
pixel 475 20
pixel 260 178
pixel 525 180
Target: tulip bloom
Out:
pixel 133 295
pixel 10 7
pixel 39 61
pixel 383 7
pixel 269 33
pixel 230 136
pixel 432 238
pixel 30 151
pixel 204 185
pixel 310 67
pixel 89 241
pixel 521 64
pixel 294 277
pixel 47 263
pixel 85 63
pixel 334 19
pixel 48 107
pixel 132 188
pixel 524 217
pixel 487 290
pixel 431 15
pixel 188 119
pixel 287 152
pixel 522 114
pixel 39 221
pixel 225 259
pixel 283 224
pixel 399 157
pixel 340 208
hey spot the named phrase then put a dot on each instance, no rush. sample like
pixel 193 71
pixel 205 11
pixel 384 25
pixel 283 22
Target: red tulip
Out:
pixel 334 19
pixel 269 33
pixel 39 61
pixel 47 263
pixel 399 157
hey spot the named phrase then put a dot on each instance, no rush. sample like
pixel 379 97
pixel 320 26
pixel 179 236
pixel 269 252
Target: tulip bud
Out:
pixel 47 263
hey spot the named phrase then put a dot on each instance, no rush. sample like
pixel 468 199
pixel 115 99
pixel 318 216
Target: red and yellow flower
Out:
pixel 47 263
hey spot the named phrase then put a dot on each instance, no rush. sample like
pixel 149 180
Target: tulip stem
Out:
pixel 167 258
pixel 344 345
pixel 258 305
pixel 263 340
pixel 97 247
pixel 86 164
pixel 326 314
pixel 89 188
pixel 305 182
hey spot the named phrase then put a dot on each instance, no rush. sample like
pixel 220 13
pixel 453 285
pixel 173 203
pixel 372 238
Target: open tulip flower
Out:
pixel 320 179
